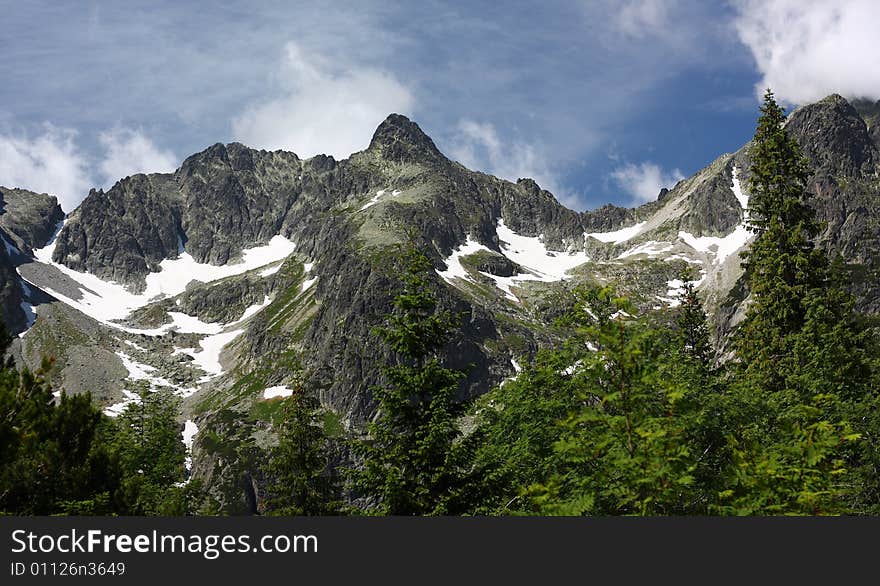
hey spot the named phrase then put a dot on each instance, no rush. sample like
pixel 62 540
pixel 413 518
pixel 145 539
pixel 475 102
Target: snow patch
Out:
pixel 208 358
pixel 30 312
pixel 687 259
pixel 107 301
pixel 454 269
pixel 722 247
pixel 528 252
pixel 374 201
pixel 279 391
pixel 506 283
pixel 254 309
pixel 308 283
pixel 139 371
pixel 719 247
pixel 651 248
pixel 271 270
pixel 531 253
pixel 516 370
pixel 742 198
pixel 675 288
pixel 190 429
pixel 116 409
pixel 617 236
pixel 135 346
pixel 573 368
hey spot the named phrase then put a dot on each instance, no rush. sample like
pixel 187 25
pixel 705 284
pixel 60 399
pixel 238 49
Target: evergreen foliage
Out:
pixel 62 456
pixel 147 442
pixel 304 482
pixel 802 377
pixel 409 457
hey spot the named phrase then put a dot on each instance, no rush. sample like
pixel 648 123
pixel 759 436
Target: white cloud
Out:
pixel 52 162
pixel 129 152
pixel 48 163
pixel 476 145
pixel 807 49
pixel 323 108
pixel 643 181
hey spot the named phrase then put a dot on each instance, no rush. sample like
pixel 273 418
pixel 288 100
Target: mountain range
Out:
pixel 221 279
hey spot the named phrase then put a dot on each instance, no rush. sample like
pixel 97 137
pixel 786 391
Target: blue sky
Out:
pixel 599 101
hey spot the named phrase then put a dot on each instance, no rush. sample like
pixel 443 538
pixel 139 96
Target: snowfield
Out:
pixel 208 358
pixel 530 253
pixel 617 236
pixel 106 301
pixel 540 263
pixel 279 391
pixel 454 269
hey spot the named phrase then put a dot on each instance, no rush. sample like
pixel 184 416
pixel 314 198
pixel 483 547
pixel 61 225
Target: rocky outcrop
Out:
pixel 834 137
pixel 122 235
pixel 27 221
pixel 845 185
pixel 11 314
pixel 29 218
pixel 400 140
pixel 870 113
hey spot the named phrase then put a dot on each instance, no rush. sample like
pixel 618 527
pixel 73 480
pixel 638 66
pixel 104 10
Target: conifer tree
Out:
pixel 409 462
pixel 148 445
pixel 692 328
pixel 627 448
pixel 783 267
pixel 801 376
pixel 302 480
pixel 52 459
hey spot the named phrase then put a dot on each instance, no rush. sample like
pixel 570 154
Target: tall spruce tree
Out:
pixel 802 374
pixel 692 325
pixel 409 462
pixel 303 482
pixel 783 266
pixel 151 454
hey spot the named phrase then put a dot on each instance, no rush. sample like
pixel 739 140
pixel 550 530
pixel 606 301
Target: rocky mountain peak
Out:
pixel 400 139
pixel 834 135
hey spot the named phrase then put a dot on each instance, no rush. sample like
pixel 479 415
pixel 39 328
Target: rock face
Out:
pixel 835 137
pixel 27 221
pixel 846 186
pixel 11 313
pixel 319 307
pixel 870 113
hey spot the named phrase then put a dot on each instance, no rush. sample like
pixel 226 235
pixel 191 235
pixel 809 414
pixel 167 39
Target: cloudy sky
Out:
pixel 597 100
